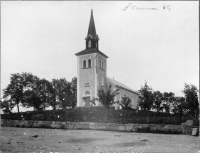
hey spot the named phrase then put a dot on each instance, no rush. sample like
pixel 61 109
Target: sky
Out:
pixel 156 41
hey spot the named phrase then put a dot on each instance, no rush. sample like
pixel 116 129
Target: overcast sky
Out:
pixel 143 42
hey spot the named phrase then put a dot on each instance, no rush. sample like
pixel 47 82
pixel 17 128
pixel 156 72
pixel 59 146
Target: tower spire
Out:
pixel 92 29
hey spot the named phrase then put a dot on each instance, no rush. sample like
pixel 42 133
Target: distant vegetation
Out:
pixel 169 103
pixel 28 90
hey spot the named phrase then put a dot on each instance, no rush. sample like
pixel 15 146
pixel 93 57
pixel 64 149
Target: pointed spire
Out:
pixel 92 29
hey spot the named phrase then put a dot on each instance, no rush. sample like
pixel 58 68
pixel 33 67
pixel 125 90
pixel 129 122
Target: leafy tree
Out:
pixel 179 106
pixel 14 92
pixel 190 91
pixel 54 101
pixel 33 96
pixel 168 99
pixel 146 97
pixel 125 103
pixel 7 106
pixel 46 91
pixel 106 96
pixel 33 99
pixel 63 93
pixel 62 89
pixel 73 94
pixel 158 97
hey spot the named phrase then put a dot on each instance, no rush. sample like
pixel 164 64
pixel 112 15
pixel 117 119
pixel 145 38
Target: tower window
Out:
pixel 89 63
pixel 89 43
pixel 84 63
pixel 100 64
pixel 102 82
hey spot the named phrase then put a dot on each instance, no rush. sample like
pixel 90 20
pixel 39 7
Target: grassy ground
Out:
pixel 81 141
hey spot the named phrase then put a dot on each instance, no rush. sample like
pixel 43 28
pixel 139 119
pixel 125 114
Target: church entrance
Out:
pixel 87 101
pixel 86 98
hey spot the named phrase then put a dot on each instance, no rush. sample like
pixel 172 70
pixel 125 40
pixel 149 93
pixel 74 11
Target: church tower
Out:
pixel 91 68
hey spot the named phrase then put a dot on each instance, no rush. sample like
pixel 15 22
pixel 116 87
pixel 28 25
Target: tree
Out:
pixel 7 106
pixel 46 91
pixel 179 106
pixel 168 99
pixel 34 96
pixel 73 98
pixel 106 96
pixel 54 101
pixel 158 97
pixel 125 103
pixel 14 92
pixel 62 87
pixel 63 93
pixel 190 91
pixel 146 97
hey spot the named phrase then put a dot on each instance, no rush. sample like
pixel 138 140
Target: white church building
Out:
pixel 92 73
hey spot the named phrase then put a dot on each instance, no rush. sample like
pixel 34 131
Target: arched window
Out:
pixel 89 63
pixel 87 92
pixel 84 63
pixel 89 43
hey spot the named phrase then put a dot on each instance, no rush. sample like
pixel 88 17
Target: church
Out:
pixel 92 73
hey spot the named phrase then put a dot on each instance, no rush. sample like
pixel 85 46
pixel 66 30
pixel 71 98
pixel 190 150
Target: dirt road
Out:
pixel 81 141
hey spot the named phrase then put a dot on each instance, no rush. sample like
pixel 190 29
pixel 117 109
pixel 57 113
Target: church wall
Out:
pixel 122 92
pixel 86 75
pixel 101 73
pixel 132 96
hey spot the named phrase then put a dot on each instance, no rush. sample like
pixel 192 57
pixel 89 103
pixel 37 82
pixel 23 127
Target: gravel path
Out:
pixel 81 141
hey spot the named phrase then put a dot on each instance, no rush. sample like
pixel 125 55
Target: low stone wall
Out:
pixel 184 128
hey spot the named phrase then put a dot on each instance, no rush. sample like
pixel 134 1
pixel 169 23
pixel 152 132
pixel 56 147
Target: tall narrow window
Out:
pixel 89 43
pixel 89 63
pixel 84 63
pixel 102 82
pixel 100 64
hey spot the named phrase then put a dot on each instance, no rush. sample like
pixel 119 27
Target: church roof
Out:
pixel 120 85
pixel 92 29
pixel 90 51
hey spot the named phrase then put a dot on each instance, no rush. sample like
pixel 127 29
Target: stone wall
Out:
pixel 184 128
